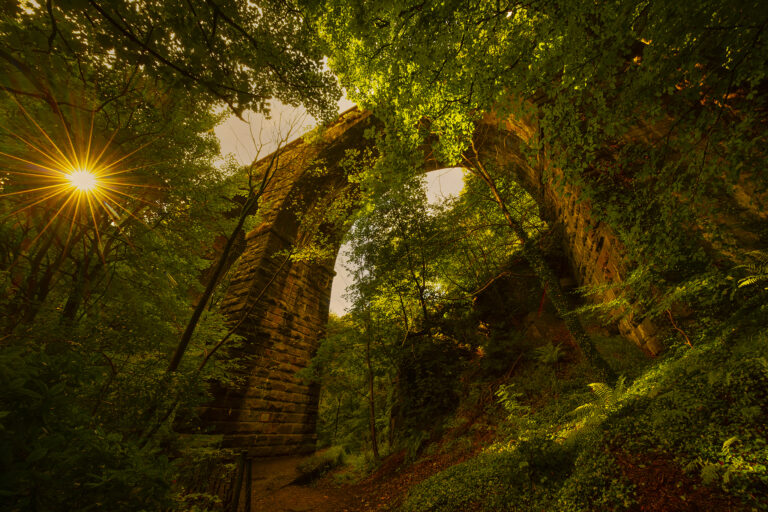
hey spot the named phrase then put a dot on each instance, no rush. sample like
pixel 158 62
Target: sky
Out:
pixel 241 138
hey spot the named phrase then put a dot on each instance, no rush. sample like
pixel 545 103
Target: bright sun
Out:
pixel 83 180
pixel 74 181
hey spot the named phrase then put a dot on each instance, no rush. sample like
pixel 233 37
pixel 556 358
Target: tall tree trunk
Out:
pixel 75 297
pixel 35 288
pixel 251 204
pixel 549 282
pixel 371 400
pixel 77 293
pixel 392 398
pixel 336 421
pixel 213 281
pixel 418 283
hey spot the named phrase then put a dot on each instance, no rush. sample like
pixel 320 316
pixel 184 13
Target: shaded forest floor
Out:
pixel 383 490
pixel 661 486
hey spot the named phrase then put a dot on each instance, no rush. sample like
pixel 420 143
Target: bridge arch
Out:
pixel 281 306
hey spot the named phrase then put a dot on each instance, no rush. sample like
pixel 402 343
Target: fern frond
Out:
pixel 750 280
pixel 606 399
pixel 601 390
pixel 583 411
pixel 757 269
pixel 549 354
pixel 727 444
pixel 621 387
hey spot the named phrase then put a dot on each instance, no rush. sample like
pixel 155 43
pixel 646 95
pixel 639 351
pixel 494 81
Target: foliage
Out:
pixel 341 368
pixel 94 300
pixel 652 114
pixel 549 354
pixel 657 122
pixel 427 387
pixel 321 462
pixel 758 270
pixel 417 267
pixel 695 404
pixel 607 400
pixel 703 408
pixel 87 334
pixel 658 125
pixel 239 54
pixel 523 479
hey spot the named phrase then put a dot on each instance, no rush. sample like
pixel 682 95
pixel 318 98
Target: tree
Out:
pixel 354 370
pixel 255 188
pixel 654 121
pixel 89 308
pixel 240 54
pixel 392 251
pixel 549 281
pixel 95 299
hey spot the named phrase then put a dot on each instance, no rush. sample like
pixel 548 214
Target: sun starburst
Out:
pixel 79 180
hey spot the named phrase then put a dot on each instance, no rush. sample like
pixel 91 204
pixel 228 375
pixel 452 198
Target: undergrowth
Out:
pixel 563 445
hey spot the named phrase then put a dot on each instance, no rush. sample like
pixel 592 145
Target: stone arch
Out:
pixel 281 306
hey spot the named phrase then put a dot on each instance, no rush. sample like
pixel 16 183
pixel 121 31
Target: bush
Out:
pixel 320 463
pixel 54 456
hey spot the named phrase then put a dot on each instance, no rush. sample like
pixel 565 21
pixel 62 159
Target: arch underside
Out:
pixel 281 306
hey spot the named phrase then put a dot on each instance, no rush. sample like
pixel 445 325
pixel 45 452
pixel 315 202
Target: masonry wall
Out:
pixel 596 256
pixel 281 306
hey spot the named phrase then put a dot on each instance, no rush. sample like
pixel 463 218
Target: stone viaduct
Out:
pixel 281 306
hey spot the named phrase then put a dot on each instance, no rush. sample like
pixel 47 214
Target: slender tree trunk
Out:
pixel 75 296
pixel 550 282
pixel 336 421
pixel 420 287
pixel 35 289
pixel 371 400
pixel 393 409
pixel 251 204
pixel 202 302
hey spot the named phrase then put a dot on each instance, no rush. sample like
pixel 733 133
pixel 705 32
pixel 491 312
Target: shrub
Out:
pixel 320 463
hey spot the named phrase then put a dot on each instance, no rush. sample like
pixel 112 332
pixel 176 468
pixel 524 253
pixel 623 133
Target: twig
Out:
pixel 678 329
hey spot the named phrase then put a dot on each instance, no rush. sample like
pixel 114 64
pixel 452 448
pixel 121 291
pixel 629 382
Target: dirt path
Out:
pixel 273 490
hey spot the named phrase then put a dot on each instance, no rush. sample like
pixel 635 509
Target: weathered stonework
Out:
pixel 596 256
pixel 281 307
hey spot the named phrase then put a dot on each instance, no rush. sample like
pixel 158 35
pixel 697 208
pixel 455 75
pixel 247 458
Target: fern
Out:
pixel 549 354
pixel 758 269
pixel 607 398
